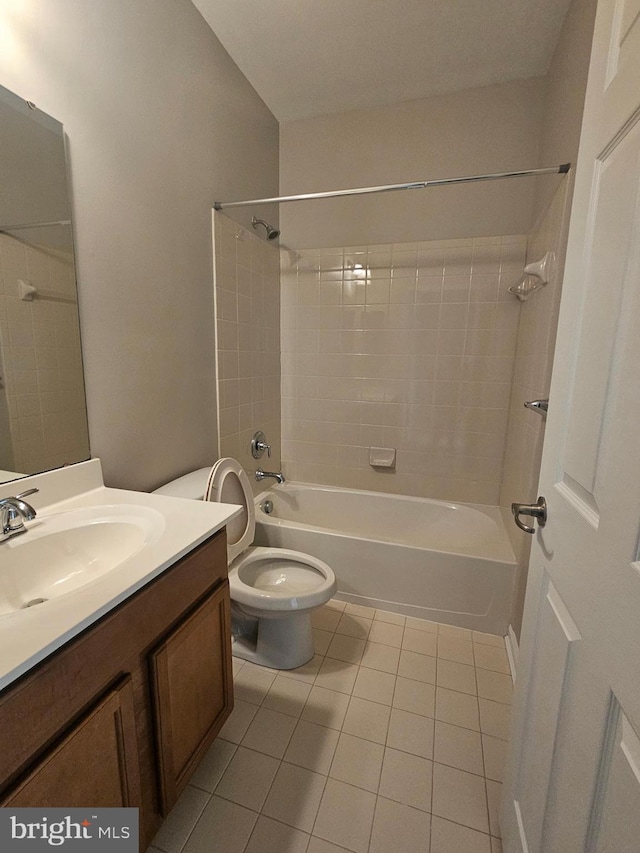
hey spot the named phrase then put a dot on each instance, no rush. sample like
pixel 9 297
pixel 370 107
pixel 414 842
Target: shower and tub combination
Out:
pixel 448 561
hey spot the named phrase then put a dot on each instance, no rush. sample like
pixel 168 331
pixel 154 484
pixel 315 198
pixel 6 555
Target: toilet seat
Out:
pixel 280 579
pixel 228 483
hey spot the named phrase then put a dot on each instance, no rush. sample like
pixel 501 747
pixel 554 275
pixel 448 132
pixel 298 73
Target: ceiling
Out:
pixel 312 57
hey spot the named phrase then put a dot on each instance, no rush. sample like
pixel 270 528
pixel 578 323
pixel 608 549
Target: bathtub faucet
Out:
pixel 261 475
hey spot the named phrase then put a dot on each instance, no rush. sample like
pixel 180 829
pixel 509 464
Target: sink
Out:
pixel 63 552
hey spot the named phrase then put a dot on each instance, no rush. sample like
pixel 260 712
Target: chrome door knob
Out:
pixel 537 511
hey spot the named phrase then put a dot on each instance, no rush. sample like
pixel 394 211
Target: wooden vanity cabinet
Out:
pixel 122 714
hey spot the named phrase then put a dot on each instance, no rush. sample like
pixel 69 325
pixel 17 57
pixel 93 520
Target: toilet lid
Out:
pixel 228 483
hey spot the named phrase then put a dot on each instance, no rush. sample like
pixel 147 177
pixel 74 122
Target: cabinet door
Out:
pixel 95 764
pixel 192 690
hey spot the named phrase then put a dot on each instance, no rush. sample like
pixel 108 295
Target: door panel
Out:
pixel 573 778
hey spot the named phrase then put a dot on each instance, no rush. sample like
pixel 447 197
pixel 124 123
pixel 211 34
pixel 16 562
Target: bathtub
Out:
pixel 447 562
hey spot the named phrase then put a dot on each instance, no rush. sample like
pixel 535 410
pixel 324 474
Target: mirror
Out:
pixel 43 420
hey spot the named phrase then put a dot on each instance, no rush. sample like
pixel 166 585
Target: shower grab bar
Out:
pixel 415 185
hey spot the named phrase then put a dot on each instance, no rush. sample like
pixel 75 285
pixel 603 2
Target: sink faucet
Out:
pixel 14 511
pixel 277 475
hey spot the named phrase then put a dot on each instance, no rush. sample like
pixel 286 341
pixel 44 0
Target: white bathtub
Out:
pixel 447 562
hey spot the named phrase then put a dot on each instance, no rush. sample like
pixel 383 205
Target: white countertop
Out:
pixel 28 636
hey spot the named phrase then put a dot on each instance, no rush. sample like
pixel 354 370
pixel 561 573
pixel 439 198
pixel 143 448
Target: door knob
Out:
pixel 537 511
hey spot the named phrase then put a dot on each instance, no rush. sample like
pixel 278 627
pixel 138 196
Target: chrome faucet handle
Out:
pixel 26 494
pixel 259 445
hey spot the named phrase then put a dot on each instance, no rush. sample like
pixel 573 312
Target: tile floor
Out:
pixel 392 738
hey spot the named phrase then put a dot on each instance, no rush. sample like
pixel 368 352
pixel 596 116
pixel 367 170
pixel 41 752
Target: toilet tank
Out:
pixel 192 485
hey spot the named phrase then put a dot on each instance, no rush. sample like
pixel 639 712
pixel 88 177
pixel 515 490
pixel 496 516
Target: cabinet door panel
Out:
pixel 192 690
pixel 95 764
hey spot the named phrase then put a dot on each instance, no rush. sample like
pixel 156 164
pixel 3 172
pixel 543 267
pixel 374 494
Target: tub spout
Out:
pixel 277 475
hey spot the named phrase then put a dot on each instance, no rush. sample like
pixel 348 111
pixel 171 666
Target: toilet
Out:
pixel 273 590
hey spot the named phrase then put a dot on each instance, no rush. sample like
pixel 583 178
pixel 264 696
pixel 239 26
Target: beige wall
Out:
pixel 247 275
pixel 477 131
pixel 408 346
pixel 160 123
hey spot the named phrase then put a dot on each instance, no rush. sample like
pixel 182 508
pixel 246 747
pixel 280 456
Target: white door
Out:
pixel 573 777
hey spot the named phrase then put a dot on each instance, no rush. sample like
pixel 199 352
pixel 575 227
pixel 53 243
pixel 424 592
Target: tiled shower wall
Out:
pixel 532 379
pixel 41 359
pixel 410 346
pixel 247 285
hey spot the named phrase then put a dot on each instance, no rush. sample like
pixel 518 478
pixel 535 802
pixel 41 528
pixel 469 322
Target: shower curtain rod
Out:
pixel 25 225
pixel 415 185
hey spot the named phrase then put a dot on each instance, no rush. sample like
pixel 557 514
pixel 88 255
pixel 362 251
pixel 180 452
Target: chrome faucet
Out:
pixel 277 475
pixel 14 511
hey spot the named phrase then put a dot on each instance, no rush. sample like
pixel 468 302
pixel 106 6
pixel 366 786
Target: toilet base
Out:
pixel 281 643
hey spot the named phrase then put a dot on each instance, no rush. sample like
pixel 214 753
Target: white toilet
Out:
pixel 273 590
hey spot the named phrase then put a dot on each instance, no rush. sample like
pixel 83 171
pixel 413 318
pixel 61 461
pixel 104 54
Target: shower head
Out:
pixel 272 232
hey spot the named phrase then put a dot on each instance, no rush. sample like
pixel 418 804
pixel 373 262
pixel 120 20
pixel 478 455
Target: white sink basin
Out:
pixel 65 551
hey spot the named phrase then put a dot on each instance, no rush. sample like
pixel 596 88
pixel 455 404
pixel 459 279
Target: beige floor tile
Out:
pixel 307 672
pixel 326 707
pixel 454 632
pixel 495 754
pixel 399 827
pixel 374 685
pixel 488 639
pixel 381 657
pixel 354 626
pixel 229 823
pixel 336 604
pixel 287 695
pixel 494 798
pixel 448 837
pixel 180 821
pixel 312 746
pixel 270 836
pixel 391 618
pixel 491 657
pixel 460 797
pixel 214 763
pixel 496 845
pixel 269 732
pixel 458 747
pixel 411 733
pixel 495 686
pixel 347 649
pixel 239 721
pixel 295 796
pixel 321 640
pixel 357 762
pixel 457 676
pixel 417 667
pixel 495 718
pixel 387 634
pixel 360 610
pixel 345 816
pixel 337 675
pixel 252 683
pixel 319 845
pixel 415 696
pixel 406 779
pixel 421 625
pixel 423 642
pixel 248 777
pixel 368 720
pixel 455 649
pixel 459 709
pixel 325 618
pixel 237 664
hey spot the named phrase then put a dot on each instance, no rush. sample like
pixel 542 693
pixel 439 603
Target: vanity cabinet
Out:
pixel 122 713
